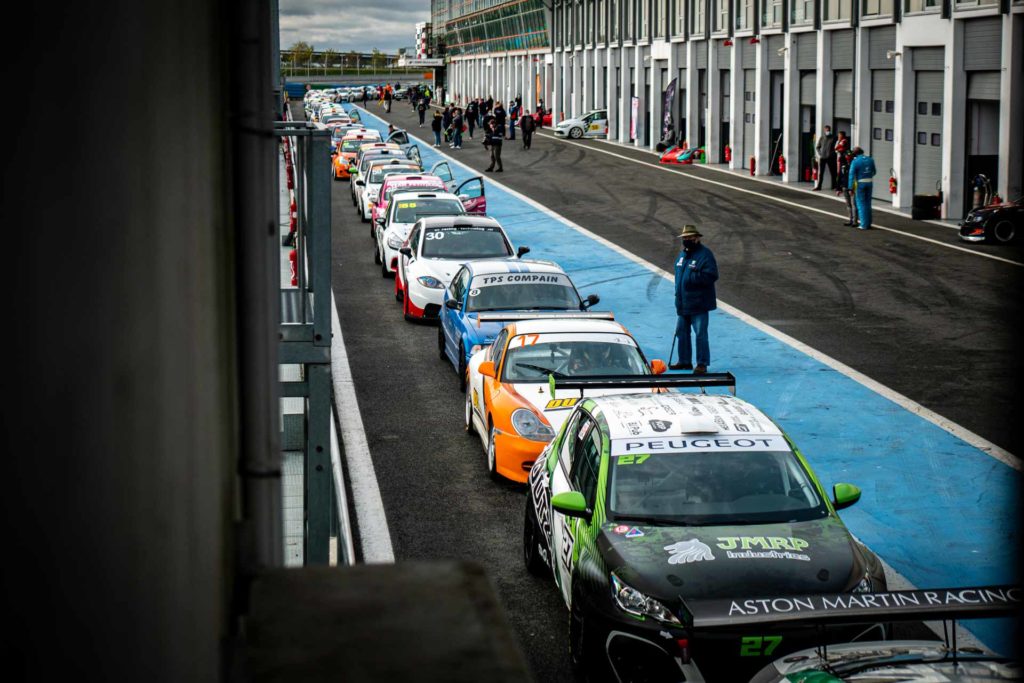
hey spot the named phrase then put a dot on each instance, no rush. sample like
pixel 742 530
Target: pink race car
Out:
pixel 402 181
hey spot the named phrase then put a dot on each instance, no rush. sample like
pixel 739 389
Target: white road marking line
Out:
pixel 786 201
pixel 375 539
pixel 943 423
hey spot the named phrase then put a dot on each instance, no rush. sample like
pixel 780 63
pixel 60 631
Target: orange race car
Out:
pixel 347 150
pixel 509 401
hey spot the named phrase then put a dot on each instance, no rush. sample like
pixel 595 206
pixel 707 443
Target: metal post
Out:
pixel 318 472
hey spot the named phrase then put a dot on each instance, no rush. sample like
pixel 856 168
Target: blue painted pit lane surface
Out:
pixel 940 511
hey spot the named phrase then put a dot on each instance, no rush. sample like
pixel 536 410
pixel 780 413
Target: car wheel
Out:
pixel 575 133
pixel 580 658
pixel 492 456
pixel 405 309
pixel 440 343
pixel 377 258
pixel 363 217
pixel 470 429
pixel 1003 232
pixel 462 367
pixel 531 540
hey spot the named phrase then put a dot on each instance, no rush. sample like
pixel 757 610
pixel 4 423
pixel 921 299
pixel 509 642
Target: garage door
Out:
pixel 928 131
pixel 749 113
pixel 883 108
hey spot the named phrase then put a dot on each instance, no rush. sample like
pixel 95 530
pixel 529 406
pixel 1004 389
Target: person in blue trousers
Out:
pixel 862 170
pixel 696 274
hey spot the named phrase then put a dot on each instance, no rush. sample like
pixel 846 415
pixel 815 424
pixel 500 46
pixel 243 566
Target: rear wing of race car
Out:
pixel 499 317
pixel 940 604
pixel 711 379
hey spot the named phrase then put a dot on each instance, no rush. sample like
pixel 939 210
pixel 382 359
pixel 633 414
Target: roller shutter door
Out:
pixel 723 54
pixel 749 111
pixel 842 49
pixel 984 36
pixel 928 113
pixel 842 95
pixel 883 108
pixel 808 88
pixel 748 55
pixel 929 58
pixel 807 51
pixel 776 61
pixel 983 85
pixel 881 40
pixel 701 53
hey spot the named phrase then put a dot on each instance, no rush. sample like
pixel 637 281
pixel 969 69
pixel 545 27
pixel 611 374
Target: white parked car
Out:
pixel 593 124
pixel 405 208
pixel 368 185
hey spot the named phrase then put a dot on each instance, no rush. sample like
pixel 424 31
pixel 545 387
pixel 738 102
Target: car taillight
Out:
pixel 684 649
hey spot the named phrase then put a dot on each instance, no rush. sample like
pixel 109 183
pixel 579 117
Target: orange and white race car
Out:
pixel 347 150
pixel 509 401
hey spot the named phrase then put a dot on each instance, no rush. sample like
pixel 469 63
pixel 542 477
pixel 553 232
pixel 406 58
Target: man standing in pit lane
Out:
pixel 862 171
pixel 696 274
pixel 421 110
pixel 492 140
pixel 472 112
pixel 527 123
pixel 500 116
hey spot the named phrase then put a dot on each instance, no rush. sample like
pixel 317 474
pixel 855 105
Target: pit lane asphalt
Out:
pixel 439 501
pixel 934 324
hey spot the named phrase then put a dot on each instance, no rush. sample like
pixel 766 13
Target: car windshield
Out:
pixel 522 291
pixel 532 359
pixel 413 210
pixel 710 487
pixel 466 242
pixel 352 145
pixel 378 172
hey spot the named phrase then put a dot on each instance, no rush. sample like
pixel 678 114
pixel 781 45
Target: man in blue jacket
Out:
pixel 862 170
pixel 696 273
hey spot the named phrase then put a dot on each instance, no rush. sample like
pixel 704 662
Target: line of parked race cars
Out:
pixel 685 531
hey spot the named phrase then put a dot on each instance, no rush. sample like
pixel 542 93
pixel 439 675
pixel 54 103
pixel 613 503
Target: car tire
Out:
pixel 440 343
pixel 405 309
pixel 1003 232
pixel 531 538
pixel 362 216
pixel 581 659
pixel 376 256
pixel 462 367
pixel 492 456
pixel 470 429
pixel 576 133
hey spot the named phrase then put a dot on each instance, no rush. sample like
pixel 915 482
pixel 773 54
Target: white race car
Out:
pixel 368 184
pixel 593 124
pixel 436 248
pixel 405 208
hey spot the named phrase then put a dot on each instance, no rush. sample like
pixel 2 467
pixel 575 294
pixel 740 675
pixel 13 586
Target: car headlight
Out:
pixel 632 601
pixel 528 425
pixel 395 241
pixel 430 282
pixel 976 218
pixel 865 585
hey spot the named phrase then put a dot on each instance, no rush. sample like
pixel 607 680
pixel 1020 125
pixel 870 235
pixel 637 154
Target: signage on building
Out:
pixel 430 61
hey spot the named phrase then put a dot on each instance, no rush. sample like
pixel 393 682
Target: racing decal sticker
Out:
pixel 568 541
pixel 541 497
pixel 686 444
pixel 634 533
pixel 660 425
pixel 771 548
pixel 474 292
pixel 561 403
pixel 621 529
pixel 521 278
pixel 686 552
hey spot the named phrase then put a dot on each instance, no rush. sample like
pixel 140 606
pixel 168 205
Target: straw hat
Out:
pixel 690 231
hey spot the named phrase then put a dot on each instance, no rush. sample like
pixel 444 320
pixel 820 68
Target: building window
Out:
pixel 969 4
pixel 630 21
pixel 877 8
pixel 744 14
pixel 836 10
pixel 801 12
pixel 890 106
pixel 602 22
pixel 698 8
pixel 720 21
pixel 936 108
pixel 588 22
pixel 922 108
pixel 876 133
pixel 910 6
pixel 614 10
pixel 645 20
pixel 936 140
pixel 888 135
pixel 660 17
pixel 771 13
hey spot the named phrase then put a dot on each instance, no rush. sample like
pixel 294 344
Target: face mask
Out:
pixel 689 245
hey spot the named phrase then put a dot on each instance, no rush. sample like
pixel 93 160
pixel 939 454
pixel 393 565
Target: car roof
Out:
pixel 391 161
pixel 557 326
pixel 424 193
pixel 449 221
pixel 690 413
pixel 398 178
pixel 512 265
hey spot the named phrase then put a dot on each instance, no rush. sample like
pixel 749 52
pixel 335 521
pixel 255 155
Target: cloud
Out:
pixel 359 25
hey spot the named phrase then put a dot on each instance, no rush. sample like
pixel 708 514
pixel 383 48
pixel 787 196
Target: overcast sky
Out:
pixel 359 25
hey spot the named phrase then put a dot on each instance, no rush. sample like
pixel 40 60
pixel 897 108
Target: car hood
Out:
pixel 557 408
pixel 569 122
pixel 668 563
pixel 442 269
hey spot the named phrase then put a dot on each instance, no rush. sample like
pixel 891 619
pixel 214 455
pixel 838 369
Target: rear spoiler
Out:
pixel 711 379
pixel 853 608
pixel 554 315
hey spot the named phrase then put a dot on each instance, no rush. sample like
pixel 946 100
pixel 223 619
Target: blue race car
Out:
pixel 477 302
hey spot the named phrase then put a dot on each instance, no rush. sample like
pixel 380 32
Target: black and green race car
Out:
pixel 645 500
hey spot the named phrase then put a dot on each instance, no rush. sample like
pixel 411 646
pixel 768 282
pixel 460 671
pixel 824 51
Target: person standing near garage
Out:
pixel 436 125
pixel 492 140
pixel 843 178
pixel 696 274
pixel 457 129
pixel 862 171
pixel 500 117
pixel 471 116
pixel 824 150
pixel 527 123
pixel 421 110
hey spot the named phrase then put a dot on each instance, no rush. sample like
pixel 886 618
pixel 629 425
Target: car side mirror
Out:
pixel 590 301
pixel 452 304
pixel 487 369
pixel 658 366
pixel 844 495
pixel 360 183
pixel 571 504
pixel 405 251
pixel 521 251
pixel 380 221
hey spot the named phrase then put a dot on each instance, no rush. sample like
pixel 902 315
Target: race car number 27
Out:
pixel 756 646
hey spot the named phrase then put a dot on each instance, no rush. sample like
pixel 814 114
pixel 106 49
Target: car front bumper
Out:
pixel 515 455
pixel 423 301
